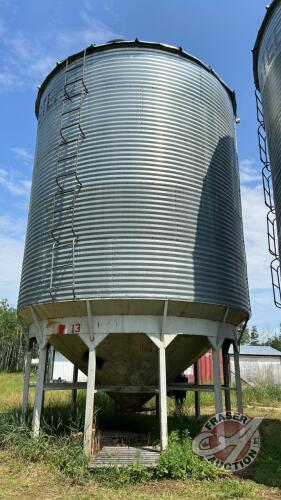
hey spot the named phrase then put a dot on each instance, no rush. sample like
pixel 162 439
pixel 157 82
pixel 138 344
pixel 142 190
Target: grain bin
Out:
pixel 267 77
pixel 134 250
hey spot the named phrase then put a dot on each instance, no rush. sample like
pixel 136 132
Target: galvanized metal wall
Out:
pixel 158 214
pixel 267 69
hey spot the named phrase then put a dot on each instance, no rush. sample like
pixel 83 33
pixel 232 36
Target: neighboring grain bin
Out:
pixel 134 262
pixel 267 77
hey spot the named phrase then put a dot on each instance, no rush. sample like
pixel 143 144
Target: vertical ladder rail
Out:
pixel 272 234
pixel 68 184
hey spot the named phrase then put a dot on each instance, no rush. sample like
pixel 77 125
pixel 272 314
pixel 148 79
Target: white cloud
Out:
pixel 95 31
pixel 249 171
pixel 36 56
pixel 8 80
pixel 12 226
pixel 254 221
pixel 15 185
pixel 11 253
pixel 24 155
pixel 264 313
pixel 34 59
pixel 12 233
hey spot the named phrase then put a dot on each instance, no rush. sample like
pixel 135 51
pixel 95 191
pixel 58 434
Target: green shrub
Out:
pixel 179 462
pixel 122 476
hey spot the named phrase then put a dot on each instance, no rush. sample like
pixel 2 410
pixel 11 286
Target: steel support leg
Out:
pixel 74 392
pixel 89 410
pixel 226 377
pixel 163 398
pixel 217 379
pixel 237 378
pixel 39 391
pixel 26 382
pixel 197 393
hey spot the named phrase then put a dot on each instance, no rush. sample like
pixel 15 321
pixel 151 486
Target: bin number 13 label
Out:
pixel 75 328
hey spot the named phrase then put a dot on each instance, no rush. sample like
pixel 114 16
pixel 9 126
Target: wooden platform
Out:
pixel 121 456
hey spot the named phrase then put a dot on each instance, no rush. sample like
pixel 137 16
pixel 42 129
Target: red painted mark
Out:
pixel 61 329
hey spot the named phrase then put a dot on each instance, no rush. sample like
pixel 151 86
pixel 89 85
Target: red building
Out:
pixel 206 373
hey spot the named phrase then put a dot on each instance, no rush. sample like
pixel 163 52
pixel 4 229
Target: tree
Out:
pixel 246 335
pixel 274 342
pixel 254 336
pixel 250 336
pixel 11 339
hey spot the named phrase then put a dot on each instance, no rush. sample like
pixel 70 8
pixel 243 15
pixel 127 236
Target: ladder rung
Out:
pixel 65 158
pixel 73 81
pixel 63 209
pixel 71 172
pixel 73 190
pixel 59 244
pixel 62 266
pixel 69 97
pixel 74 67
pixel 69 126
pixel 71 110
pixel 68 241
pixel 69 244
pixel 69 141
pixel 66 285
pixel 66 142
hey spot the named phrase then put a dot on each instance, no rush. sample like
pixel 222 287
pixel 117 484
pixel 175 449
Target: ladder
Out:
pixel 272 234
pixel 68 183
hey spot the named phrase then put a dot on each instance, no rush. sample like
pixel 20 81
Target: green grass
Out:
pixel 264 395
pixel 10 389
pixel 59 447
pixel 267 468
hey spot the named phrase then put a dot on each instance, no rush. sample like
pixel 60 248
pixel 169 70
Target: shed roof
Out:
pixel 256 350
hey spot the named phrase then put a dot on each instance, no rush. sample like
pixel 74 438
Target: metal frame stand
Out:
pixel 226 375
pixel 197 393
pixel 90 397
pixel 217 379
pixel 237 378
pixel 38 403
pixel 160 331
pixel 74 392
pixel 163 398
pixel 26 380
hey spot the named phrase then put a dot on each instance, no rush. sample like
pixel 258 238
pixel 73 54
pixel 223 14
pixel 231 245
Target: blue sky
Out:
pixel 36 34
